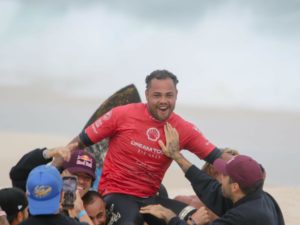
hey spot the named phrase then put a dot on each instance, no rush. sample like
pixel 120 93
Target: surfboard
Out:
pixel 126 95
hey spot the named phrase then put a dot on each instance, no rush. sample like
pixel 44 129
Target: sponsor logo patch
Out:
pixel 42 191
pixel 107 115
pixel 153 134
pixel 84 160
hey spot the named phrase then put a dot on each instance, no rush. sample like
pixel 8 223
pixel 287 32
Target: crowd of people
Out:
pixel 144 138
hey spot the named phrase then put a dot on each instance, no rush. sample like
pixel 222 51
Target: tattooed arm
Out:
pixel 171 148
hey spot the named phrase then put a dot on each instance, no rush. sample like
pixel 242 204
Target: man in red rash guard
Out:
pixel 135 164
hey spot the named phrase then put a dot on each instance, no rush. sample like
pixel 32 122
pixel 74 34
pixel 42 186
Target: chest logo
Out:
pixel 153 134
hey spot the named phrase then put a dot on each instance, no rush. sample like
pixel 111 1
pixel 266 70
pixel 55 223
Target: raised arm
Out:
pixel 171 148
pixel 76 140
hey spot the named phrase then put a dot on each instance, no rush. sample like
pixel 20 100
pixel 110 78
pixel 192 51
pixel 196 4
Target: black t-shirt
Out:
pixel 50 220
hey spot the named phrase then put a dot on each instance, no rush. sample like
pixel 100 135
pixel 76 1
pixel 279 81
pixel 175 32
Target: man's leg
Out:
pixel 123 210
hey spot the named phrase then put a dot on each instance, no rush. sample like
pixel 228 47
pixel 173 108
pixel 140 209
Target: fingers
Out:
pixel 171 147
pixel 154 210
pixel 72 146
pixel 162 145
pixel 65 173
pixel 201 216
pixel 170 132
pixel 147 209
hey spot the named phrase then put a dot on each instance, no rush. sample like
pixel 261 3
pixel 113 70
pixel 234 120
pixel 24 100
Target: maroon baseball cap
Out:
pixel 81 162
pixel 241 168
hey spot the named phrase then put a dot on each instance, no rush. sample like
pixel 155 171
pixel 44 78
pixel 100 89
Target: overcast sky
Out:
pixel 225 53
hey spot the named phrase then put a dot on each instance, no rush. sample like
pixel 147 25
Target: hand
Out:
pixel 78 204
pixel 201 216
pixel 158 211
pixel 61 154
pixel 171 149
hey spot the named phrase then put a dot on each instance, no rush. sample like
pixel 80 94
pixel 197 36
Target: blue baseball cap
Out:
pixel 44 186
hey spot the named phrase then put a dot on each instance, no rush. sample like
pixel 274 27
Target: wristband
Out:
pixel 45 155
pixel 81 214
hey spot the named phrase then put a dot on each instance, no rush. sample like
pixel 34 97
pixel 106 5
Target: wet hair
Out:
pixel 89 197
pixel 160 75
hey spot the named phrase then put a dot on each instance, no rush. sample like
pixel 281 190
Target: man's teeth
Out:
pixel 163 107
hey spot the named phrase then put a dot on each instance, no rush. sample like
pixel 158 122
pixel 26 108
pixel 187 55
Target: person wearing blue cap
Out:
pixel 44 189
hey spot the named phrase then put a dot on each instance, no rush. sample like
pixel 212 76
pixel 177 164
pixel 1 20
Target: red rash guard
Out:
pixel 134 163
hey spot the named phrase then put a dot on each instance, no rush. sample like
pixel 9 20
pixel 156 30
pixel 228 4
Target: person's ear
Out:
pixel 235 187
pixel 20 217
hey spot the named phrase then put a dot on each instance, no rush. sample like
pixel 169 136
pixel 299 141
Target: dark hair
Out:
pixel 160 75
pixel 89 197
pixel 12 200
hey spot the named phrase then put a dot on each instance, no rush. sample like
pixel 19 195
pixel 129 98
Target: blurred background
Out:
pixel 238 65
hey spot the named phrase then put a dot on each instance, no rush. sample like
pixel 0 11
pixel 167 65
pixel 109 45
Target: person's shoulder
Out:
pixel 271 201
pixel 181 122
pixel 130 106
pixel 129 109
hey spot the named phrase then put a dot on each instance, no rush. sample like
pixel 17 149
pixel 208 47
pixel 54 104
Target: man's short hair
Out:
pixel 12 200
pixel 160 75
pixel 89 197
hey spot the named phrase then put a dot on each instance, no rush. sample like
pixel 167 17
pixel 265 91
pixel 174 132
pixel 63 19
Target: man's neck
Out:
pixel 237 196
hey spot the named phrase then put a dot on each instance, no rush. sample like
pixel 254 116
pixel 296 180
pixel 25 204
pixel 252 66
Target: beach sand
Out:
pixel 14 145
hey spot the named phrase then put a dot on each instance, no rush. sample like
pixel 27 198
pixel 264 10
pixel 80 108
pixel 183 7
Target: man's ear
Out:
pixel 235 187
pixel 20 217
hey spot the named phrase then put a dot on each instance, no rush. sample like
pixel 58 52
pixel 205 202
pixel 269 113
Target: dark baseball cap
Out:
pixel 241 169
pixel 12 201
pixel 81 162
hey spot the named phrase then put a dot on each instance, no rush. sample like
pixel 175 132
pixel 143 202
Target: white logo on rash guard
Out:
pixel 107 115
pixel 100 121
pixel 153 134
